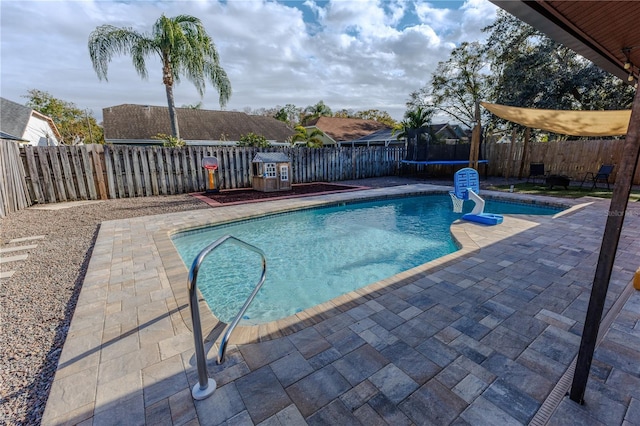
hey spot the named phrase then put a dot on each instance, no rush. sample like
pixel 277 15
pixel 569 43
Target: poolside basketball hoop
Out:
pixel 466 186
pixel 211 165
pixel 457 203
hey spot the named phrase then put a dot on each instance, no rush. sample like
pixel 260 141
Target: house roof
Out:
pixel 385 134
pixel 142 122
pixel 14 118
pixel 7 136
pixel 346 129
pixel 449 131
pixel 270 157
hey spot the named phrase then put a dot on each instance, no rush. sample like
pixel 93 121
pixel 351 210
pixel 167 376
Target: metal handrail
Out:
pixel 206 385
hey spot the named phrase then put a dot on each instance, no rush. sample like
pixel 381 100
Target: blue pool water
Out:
pixel 317 254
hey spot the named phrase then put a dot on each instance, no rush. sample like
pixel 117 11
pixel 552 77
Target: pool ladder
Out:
pixel 206 385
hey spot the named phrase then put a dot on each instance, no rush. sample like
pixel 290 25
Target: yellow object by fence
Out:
pixel 574 123
pixel 636 280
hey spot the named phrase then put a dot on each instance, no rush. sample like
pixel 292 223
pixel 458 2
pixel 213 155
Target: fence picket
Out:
pixel 137 173
pixel 118 161
pixel 37 192
pixel 152 155
pixel 63 152
pixel 162 173
pixel 146 175
pixel 49 192
pixel 58 179
pixel 191 166
pixel 169 171
pixel 127 178
pixel 88 172
pixel 79 174
pixel 185 171
pixel 97 160
pixel 177 167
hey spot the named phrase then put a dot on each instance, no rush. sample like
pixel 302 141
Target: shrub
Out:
pixel 251 139
pixel 169 141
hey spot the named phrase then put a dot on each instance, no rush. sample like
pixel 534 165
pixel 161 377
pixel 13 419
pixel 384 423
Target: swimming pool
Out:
pixel 317 254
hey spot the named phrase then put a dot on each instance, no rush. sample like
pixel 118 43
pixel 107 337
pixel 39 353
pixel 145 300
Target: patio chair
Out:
pixel 536 171
pixel 602 175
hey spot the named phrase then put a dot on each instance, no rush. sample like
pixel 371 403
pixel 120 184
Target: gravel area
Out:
pixel 38 300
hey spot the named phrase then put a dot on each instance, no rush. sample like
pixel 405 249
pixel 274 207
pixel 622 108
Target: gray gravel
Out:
pixel 37 302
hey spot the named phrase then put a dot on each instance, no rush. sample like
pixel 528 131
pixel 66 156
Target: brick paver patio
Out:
pixel 481 336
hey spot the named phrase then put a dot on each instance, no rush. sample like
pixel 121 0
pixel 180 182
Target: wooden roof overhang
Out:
pixel 605 32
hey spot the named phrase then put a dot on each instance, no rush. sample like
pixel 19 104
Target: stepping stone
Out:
pixel 6 274
pixel 18 248
pixel 8 259
pixel 23 239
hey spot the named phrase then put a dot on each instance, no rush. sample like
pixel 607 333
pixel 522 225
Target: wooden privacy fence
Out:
pixel 570 158
pixel 91 172
pixel 14 194
pixel 64 173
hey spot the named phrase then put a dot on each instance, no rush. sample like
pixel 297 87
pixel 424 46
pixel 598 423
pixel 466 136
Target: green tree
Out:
pixel 309 139
pixel 344 113
pixel 376 115
pixel 289 114
pixel 315 111
pixel 75 125
pixel 414 118
pixel 193 106
pixel 252 139
pixel 181 43
pixel 462 81
pixel 562 78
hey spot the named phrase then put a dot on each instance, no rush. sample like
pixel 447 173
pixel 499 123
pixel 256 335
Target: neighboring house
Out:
pixel 339 130
pixel 138 124
pixel 451 133
pixel 23 124
pixel 384 137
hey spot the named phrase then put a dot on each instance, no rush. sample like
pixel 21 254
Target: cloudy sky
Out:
pixel 352 54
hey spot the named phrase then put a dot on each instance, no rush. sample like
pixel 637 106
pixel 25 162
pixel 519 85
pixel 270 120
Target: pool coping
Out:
pixel 245 334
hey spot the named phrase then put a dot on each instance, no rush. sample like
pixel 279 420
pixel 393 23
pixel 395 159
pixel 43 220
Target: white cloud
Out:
pixel 350 54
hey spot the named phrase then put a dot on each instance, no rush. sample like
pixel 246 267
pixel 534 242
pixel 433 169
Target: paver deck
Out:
pixel 481 336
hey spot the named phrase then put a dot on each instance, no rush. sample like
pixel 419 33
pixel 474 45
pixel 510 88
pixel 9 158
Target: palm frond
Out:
pixel 106 41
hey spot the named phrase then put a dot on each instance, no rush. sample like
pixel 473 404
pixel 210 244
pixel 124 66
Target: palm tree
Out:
pixel 315 111
pixel 311 140
pixel 181 43
pixel 414 118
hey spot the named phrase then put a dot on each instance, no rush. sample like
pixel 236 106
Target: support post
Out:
pixel 610 239
pixel 474 152
pixel 507 173
pixel 523 159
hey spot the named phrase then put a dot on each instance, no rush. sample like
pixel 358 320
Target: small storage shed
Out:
pixel 270 172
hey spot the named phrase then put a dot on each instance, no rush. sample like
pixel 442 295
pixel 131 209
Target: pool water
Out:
pixel 317 254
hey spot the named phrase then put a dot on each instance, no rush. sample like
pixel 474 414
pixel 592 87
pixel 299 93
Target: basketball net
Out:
pixel 457 203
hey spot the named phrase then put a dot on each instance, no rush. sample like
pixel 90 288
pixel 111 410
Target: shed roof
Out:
pixel 270 157
pixel 142 122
